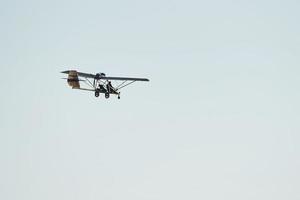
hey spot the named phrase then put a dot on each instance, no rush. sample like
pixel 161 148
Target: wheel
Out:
pixel 107 95
pixel 119 97
pixel 96 94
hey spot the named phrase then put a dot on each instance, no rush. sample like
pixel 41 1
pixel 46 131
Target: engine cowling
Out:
pixel 99 75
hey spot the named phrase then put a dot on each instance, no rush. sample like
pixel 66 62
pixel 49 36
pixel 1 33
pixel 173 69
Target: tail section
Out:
pixel 73 80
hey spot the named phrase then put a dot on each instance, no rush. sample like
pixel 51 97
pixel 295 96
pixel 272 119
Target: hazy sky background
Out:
pixel 218 120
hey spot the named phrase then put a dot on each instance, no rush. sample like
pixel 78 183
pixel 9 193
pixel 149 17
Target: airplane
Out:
pixel 99 83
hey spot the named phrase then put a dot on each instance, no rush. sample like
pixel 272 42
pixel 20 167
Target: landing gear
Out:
pixel 105 88
pixel 97 93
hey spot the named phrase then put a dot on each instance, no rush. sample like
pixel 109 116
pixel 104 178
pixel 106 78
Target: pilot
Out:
pixel 109 86
pixel 101 87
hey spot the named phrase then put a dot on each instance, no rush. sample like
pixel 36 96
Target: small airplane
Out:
pixel 99 83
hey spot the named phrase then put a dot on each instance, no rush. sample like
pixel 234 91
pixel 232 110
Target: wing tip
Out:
pixel 65 72
pixel 68 71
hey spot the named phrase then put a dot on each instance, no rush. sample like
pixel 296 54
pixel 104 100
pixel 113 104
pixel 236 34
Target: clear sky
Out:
pixel 218 120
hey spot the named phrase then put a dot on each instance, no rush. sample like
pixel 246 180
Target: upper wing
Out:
pixel 80 74
pixel 86 75
pixel 123 78
pixel 106 77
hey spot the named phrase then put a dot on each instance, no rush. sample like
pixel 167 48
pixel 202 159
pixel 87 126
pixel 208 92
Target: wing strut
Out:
pixel 122 85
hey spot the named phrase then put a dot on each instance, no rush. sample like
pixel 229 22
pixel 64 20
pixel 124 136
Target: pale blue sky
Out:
pixel 218 120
